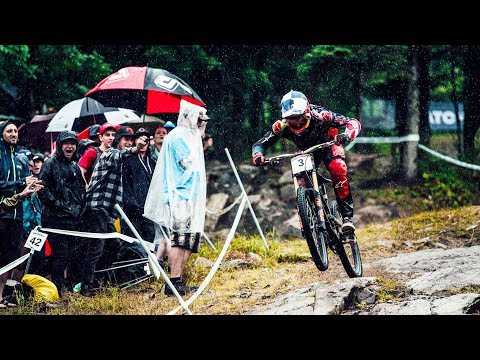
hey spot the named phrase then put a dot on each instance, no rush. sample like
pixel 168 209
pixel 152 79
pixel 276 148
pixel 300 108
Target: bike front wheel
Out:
pixel 311 229
pixel 347 250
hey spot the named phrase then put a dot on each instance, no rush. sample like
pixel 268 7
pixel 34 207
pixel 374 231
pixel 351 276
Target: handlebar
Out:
pixel 275 159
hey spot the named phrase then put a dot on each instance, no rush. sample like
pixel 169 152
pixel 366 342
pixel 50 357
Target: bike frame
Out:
pixel 297 173
pixel 304 169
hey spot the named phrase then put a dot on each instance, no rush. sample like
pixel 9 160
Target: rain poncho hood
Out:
pixel 177 194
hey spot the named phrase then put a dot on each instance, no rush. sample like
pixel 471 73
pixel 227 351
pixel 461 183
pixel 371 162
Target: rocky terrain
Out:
pixel 270 191
pixel 441 279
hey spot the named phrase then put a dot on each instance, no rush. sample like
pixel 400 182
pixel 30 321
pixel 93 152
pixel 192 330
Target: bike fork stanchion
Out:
pixel 246 197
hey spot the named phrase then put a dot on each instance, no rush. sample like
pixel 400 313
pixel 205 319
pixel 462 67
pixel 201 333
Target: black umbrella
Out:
pixel 79 114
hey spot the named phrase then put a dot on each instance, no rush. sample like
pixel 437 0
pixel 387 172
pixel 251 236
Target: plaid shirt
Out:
pixel 105 189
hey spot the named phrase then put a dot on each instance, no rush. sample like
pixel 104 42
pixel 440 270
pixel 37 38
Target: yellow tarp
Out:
pixel 44 289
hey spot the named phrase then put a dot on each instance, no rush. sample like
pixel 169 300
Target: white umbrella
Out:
pixel 122 116
pixel 77 115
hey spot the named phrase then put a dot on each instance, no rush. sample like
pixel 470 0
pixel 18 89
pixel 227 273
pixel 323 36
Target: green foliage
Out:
pixel 445 185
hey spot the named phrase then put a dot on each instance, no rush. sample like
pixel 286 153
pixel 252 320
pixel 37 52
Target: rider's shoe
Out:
pixel 348 229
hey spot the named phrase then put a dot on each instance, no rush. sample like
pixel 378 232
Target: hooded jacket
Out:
pixel 13 172
pixel 63 196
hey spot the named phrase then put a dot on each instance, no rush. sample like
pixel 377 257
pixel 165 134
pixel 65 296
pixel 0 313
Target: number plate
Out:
pixel 35 240
pixel 301 163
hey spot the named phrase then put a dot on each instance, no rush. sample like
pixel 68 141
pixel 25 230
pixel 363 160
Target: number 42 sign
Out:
pixel 36 239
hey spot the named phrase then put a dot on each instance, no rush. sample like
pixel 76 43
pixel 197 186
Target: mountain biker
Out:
pixel 306 125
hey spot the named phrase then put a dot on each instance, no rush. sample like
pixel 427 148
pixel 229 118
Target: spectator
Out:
pixel 90 157
pixel 169 126
pixel 32 207
pixel 136 178
pixel 207 147
pixel 32 217
pixel 14 177
pixel 83 145
pixel 9 204
pixel 158 138
pixel 94 132
pixel 38 160
pixel 161 241
pixel 177 195
pixel 63 200
pixel 105 190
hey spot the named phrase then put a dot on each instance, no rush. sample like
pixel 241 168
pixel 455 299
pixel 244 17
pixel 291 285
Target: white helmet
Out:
pixel 294 104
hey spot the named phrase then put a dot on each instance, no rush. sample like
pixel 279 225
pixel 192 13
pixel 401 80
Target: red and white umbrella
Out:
pixel 144 89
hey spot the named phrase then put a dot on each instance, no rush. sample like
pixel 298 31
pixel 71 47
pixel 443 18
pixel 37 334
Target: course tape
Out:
pixel 412 137
pixel 227 209
pixel 14 264
pixel 215 266
pixel 449 159
pixel 383 140
pixel 113 235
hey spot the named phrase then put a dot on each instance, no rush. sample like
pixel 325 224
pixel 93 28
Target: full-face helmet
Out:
pixel 296 111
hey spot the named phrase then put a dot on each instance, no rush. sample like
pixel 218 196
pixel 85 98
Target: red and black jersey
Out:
pixel 323 126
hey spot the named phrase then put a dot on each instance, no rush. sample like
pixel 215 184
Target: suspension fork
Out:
pixel 318 199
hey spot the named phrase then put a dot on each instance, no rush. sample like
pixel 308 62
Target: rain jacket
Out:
pixel 13 172
pixel 8 204
pixel 63 196
pixel 136 177
pixel 32 214
pixel 177 194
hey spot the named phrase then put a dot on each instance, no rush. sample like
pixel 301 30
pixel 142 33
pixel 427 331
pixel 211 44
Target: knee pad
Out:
pixel 338 172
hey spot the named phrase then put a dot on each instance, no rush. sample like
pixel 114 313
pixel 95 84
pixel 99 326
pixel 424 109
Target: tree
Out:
pixel 472 101
pixel 409 149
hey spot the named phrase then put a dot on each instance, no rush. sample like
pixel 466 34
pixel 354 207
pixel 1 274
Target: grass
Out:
pixel 287 265
pixel 284 267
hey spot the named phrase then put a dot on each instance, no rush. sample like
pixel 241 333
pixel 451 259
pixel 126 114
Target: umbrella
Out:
pixel 121 117
pixel 144 89
pixel 32 133
pixel 79 114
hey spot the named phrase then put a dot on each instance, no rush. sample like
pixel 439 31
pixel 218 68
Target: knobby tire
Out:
pixel 311 232
pixel 348 252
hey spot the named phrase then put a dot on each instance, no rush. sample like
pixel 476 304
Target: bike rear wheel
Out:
pixel 348 251
pixel 310 225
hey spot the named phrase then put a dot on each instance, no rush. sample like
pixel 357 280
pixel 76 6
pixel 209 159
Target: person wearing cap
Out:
pixel 85 144
pixel 63 200
pixel 93 133
pixel 136 177
pixel 176 198
pixel 32 217
pixel 38 160
pixel 169 126
pixel 14 177
pixel 32 206
pixel 106 135
pixel 104 191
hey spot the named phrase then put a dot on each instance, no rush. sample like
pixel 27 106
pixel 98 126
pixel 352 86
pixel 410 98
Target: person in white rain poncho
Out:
pixel 176 197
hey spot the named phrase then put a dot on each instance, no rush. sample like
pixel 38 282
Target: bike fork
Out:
pixel 318 203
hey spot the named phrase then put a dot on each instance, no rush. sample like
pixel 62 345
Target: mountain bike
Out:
pixel 320 220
